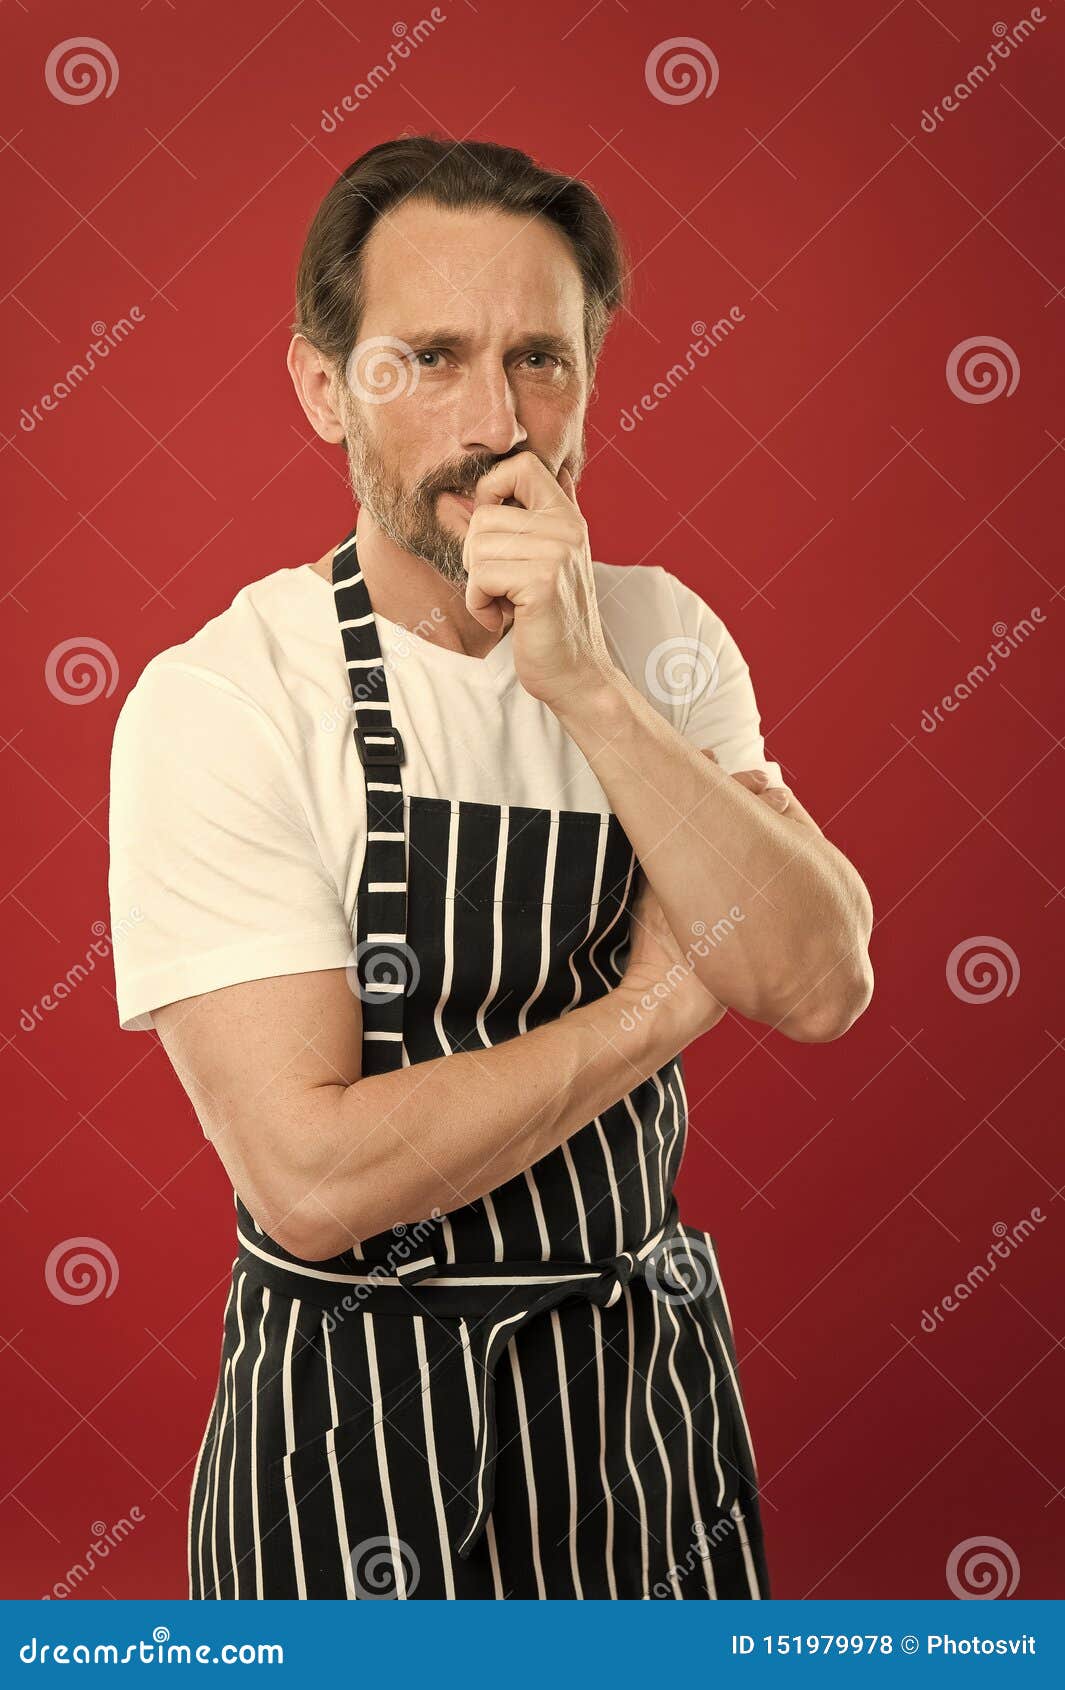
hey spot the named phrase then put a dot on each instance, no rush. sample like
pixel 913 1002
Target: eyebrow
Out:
pixel 538 340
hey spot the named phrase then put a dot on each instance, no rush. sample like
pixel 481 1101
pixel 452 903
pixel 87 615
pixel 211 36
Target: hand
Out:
pixel 529 564
pixel 757 781
pixel 659 980
pixel 780 798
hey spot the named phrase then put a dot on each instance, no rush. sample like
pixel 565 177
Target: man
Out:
pixel 446 846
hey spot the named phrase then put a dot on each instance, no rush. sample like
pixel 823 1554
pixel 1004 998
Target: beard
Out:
pixel 407 515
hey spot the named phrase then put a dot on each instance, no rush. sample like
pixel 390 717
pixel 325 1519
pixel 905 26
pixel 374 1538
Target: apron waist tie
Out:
pixel 471 1290
pixel 603 1289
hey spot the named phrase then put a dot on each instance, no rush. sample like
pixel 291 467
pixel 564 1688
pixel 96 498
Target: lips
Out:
pixel 461 498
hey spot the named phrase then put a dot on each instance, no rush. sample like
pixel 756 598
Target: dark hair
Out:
pixel 456 175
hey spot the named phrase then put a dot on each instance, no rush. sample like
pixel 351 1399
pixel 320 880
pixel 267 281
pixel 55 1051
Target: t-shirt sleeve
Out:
pixel 719 710
pixel 215 875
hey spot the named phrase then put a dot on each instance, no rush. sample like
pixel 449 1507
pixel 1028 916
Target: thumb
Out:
pixel 567 484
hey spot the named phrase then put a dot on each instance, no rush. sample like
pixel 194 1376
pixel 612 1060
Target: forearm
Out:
pixel 433 1137
pixel 788 916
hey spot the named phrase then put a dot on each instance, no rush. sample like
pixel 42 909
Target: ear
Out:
pixel 312 377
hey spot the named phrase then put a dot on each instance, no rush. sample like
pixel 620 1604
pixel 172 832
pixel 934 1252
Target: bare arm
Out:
pixel 799 960
pixel 324 1156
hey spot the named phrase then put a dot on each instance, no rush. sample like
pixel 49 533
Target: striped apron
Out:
pixel 532 1396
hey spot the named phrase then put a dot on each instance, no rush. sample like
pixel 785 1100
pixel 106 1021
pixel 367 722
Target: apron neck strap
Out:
pixel 384 970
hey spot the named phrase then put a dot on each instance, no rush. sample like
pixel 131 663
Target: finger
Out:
pixel 568 485
pixel 755 780
pixel 498 578
pixel 490 614
pixel 524 477
pixel 555 524
pixel 779 797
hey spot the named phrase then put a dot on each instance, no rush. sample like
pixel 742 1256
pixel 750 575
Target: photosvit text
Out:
pixel 879 1643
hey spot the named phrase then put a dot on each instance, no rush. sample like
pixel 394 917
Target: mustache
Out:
pixel 459 480
pixel 464 480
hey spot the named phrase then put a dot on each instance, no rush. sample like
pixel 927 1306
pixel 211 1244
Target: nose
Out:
pixel 486 419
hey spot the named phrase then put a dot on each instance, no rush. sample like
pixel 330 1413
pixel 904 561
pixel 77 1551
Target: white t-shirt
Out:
pixel 238 809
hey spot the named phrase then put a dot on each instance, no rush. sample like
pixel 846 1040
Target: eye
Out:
pixel 428 352
pixel 548 360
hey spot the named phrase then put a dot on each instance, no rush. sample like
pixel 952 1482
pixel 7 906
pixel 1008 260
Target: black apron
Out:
pixel 536 1395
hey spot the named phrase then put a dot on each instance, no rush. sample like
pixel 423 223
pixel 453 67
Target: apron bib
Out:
pixel 534 1395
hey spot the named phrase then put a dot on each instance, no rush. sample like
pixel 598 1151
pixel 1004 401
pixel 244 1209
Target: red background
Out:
pixel 860 528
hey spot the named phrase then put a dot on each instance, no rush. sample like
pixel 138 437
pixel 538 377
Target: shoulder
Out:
pixel 646 597
pixel 232 666
pixel 655 623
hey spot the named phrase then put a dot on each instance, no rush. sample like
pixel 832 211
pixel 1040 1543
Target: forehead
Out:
pixel 423 262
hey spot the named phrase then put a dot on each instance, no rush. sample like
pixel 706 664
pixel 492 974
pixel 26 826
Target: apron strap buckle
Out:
pixel 379 744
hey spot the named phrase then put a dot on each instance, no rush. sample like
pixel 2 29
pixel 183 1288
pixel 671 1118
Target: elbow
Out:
pixel 309 1237
pixel 830 1008
pixel 300 1218
pixel 314 1228
pixel 832 1016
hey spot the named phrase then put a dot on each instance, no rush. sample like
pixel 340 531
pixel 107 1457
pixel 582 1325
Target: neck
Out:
pixel 408 590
